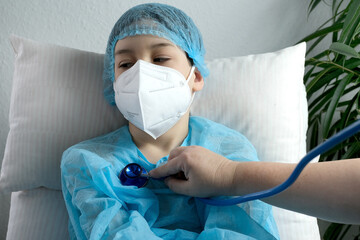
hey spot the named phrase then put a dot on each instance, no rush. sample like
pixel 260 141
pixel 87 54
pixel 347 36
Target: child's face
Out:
pixel 156 50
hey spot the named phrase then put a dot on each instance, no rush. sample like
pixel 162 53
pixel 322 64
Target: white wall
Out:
pixel 229 28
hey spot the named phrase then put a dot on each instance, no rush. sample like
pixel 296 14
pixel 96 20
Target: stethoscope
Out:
pixel 135 175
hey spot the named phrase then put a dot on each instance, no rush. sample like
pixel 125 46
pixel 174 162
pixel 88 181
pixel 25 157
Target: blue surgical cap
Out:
pixel 159 20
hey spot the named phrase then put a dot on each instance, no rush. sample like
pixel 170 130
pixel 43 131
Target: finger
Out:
pixel 178 185
pixel 176 152
pixel 170 168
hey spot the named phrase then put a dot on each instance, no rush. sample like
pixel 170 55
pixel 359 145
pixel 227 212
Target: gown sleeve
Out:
pixel 96 210
pixel 250 220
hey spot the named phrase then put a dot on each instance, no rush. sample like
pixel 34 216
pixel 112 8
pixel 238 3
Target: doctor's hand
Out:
pixel 206 173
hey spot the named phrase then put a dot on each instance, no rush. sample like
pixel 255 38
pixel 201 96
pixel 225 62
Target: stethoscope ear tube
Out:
pixel 325 146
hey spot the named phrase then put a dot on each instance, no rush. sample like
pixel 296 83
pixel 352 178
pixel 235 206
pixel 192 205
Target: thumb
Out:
pixel 170 168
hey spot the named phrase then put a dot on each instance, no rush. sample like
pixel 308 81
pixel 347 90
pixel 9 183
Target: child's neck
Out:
pixel 153 149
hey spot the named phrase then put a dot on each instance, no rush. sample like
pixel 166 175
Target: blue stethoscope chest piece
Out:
pixel 134 175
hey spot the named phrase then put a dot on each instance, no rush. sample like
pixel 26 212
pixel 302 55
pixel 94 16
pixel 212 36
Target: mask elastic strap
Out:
pixel 190 74
pixel 187 83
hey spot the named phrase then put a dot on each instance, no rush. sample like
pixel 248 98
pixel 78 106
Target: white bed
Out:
pixel 260 95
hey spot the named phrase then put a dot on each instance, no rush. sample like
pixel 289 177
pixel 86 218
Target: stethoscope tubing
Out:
pixel 325 146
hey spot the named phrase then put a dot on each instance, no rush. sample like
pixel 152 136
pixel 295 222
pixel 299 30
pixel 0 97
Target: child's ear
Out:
pixel 198 81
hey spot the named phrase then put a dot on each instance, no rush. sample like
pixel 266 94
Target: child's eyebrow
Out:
pixel 123 51
pixel 158 45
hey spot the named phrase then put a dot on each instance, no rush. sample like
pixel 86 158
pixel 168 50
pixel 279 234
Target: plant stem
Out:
pixel 335 64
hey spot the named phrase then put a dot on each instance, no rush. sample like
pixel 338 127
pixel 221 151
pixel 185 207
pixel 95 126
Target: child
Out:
pixel 154 64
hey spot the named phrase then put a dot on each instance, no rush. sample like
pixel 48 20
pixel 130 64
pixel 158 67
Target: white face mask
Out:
pixel 153 97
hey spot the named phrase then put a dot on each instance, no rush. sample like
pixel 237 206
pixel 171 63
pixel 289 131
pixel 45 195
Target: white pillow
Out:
pixel 57 101
pixel 38 214
pixel 263 97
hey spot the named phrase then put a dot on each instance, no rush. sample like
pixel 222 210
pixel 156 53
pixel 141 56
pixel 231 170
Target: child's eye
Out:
pixel 126 65
pixel 161 59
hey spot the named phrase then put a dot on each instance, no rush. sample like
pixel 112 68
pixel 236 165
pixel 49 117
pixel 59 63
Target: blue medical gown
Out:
pixel 100 207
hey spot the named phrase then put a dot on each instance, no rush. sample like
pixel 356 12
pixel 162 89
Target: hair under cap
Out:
pixel 159 20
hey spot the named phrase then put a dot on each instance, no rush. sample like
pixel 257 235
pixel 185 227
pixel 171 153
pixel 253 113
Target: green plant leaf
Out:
pixel 313 5
pixel 344 50
pixel 344 232
pixel 317 57
pixel 333 231
pixel 320 81
pixel 340 18
pixel 350 105
pixel 333 104
pixel 319 76
pixel 336 150
pixel 308 74
pixel 351 66
pixel 352 150
pixel 329 76
pixel 314 44
pixel 356 40
pixel 335 7
pixel 314 129
pixel 323 32
pixel 351 22
pixel 336 18
pixel 321 101
pixel 357 32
